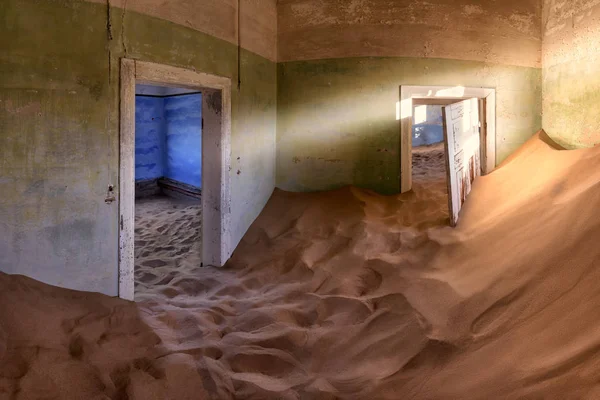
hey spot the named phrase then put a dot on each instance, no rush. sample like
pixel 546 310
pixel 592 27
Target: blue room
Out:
pixel 168 180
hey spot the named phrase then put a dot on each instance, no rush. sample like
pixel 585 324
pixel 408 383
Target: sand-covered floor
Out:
pixel 348 295
pixel 167 241
pixel 430 185
pixel 429 164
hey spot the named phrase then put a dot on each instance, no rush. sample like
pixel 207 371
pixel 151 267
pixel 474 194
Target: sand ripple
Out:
pixel 345 295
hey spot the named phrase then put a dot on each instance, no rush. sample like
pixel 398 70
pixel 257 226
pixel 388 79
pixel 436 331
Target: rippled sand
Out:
pixel 347 295
pixel 167 239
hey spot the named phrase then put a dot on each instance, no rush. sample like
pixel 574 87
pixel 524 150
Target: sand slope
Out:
pixel 349 295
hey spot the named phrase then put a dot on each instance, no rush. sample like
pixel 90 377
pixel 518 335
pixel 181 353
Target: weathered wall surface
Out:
pixel 571 100
pixel 343 64
pixel 504 32
pixel 183 115
pixel 149 137
pixel 59 110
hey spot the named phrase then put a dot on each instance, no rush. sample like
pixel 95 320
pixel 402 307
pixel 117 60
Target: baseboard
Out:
pixel 175 188
pixel 146 188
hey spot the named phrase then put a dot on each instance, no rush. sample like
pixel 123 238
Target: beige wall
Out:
pixel 503 32
pixel 571 77
pixel 217 18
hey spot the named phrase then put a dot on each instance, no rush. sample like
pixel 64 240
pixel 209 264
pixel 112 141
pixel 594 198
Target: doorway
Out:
pixel 413 96
pixel 429 170
pixel 428 157
pixel 212 195
pixel 168 184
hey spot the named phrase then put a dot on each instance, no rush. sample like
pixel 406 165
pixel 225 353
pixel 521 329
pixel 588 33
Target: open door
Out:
pixel 462 142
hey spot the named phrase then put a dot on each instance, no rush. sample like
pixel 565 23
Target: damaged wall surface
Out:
pixel 59 113
pixel 571 101
pixel 342 63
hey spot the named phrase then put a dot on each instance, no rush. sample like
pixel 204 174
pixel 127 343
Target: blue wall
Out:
pixel 183 117
pixel 428 126
pixel 426 134
pixel 149 138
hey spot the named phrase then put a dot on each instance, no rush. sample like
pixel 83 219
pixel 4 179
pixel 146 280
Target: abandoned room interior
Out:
pixel 299 199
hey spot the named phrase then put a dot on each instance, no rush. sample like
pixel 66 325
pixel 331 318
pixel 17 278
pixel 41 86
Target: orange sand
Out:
pixel 429 164
pixel 350 295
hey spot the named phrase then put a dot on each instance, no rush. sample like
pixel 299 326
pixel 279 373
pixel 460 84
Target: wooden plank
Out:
pixel 448 175
pixel 461 138
pixel 127 180
pixel 406 157
pixel 490 144
pixel 214 250
pixel 211 178
pixel 177 189
pixel 227 245
pixel 167 75
pixel 483 135
pixel 434 102
pixel 405 116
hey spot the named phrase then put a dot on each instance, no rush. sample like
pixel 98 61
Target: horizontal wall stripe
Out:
pixel 217 18
pixel 504 32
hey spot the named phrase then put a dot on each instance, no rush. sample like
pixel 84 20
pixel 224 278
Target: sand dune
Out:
pixel 347 295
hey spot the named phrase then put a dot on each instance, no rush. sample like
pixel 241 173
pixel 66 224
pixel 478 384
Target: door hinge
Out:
pixel 121 222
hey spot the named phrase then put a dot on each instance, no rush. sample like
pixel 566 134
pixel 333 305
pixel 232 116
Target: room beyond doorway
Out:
pixel 428 159
pixel 168 184
pixel 428 155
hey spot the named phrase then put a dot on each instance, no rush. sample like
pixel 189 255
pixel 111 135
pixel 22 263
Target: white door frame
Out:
pixel 442 93
pixel 216 161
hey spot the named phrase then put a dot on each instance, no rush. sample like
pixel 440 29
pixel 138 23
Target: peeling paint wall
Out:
pixel 503 32
pixel 59 113
pixel 217 18
pixel 342 63
pixel 571 100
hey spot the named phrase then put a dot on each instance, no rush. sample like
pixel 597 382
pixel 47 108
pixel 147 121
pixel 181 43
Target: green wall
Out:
pixel 59 88
pixel 572 104
pixel 571 61
pixel 336 119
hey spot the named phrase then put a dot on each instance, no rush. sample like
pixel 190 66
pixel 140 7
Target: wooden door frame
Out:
pixel 443 95
pixel 216 161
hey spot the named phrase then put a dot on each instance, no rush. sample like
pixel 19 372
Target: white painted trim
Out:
pixel 405 107
pixel 127 180
pixel 216 182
